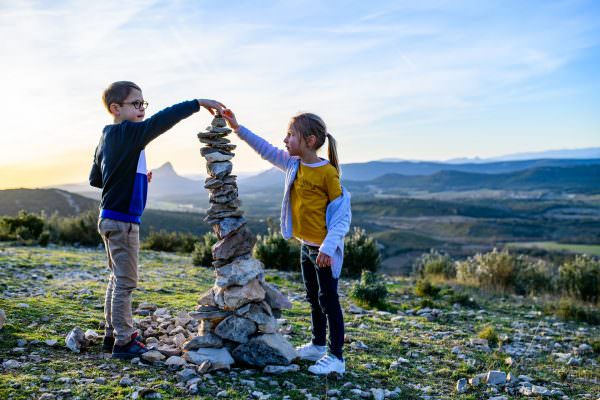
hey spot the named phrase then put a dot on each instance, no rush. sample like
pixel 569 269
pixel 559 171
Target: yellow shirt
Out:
pixel 315 186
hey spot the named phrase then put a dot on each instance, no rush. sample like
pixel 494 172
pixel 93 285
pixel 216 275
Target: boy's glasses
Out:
pixel 138 105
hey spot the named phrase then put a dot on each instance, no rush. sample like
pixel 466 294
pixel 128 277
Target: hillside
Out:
pixel 576 179
pixel 49 201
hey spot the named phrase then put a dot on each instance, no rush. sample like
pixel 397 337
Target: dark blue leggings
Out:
pixel 321 293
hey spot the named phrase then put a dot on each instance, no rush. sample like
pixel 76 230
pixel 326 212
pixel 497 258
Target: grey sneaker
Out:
pixel 311 352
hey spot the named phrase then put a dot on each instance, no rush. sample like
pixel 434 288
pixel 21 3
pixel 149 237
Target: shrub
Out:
pixel 463 299
pixel 535 277
pixel 202 254
pixel 360 253
pixel 488 333
pixel 25 227
pixel 435 264
pixel 170 241
pixel 503 271
pixel 370 290
pixel 79 230
pixel 569 309
pixel 44 238
pixel 424 288
pixel 580 278
pixel 276 252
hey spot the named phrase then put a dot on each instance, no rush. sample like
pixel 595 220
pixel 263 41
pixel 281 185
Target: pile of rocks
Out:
pixel 237 316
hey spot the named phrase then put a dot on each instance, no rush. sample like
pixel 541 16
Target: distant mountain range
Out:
pixel 167 185
pixel 570 179
pixel 587 153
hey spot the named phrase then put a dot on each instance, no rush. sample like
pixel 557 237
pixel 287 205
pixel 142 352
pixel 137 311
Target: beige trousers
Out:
pixel 122 243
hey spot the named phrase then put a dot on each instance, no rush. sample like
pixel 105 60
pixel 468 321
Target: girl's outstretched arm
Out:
pixel 278 157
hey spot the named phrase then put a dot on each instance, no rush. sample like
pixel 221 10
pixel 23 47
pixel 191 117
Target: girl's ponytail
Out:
pixel 332 153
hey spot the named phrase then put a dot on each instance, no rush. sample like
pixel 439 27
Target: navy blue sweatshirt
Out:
pixel 119 167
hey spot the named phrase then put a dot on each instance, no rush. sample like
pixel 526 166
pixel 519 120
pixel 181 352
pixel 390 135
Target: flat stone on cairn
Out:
pixel 238 314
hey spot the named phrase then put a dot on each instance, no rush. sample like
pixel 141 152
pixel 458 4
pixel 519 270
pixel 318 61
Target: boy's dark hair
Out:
pixel 117 92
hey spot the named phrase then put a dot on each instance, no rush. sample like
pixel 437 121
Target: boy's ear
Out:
pixel 114 109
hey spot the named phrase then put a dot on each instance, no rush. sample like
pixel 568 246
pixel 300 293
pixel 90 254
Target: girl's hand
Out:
pixel 323 260
pixel 212 106
pixel 230 118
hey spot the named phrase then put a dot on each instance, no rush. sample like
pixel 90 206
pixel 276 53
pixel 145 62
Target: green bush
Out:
pixel 276 252
pixel 25 227
pixel 44 238
pixel 488 333
pixel 202 254
pixel 361 252
pixel 424 288
pixel 434 264
pixel 535 277
pixel 503 271
pixel 79 230
pixel 370 290
pixel 580 278
pixel 461 298
pixel 170 241
pixel 569 309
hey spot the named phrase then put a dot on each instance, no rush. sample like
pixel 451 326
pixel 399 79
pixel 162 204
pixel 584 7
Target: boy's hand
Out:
pixel 212 106
pixel 230 118
pixel 323 260
pixel 149 175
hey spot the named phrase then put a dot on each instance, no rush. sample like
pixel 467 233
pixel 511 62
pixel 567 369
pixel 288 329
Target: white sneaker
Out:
pixel 311 352
pixel 328 364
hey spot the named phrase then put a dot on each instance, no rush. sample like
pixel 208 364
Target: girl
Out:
pixel 316 211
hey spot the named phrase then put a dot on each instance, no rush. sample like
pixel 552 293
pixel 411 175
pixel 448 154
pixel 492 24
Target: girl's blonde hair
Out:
pixel 307 124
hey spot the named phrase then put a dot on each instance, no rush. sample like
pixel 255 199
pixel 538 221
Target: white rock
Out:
pixel 91 335
pixel 175 361
pixel 496 378
pixel 153 355
pixel 2 318
pixel 540 390
pixel 378 394
pixel 75 340
pixel 219 358
pixel 12 364
pixel 358 345
pixel 126 381
pixel 281 369
pixel 477 379
pixel 461 385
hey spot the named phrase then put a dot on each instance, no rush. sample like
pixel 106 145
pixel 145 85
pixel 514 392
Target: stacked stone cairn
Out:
pixel 238 315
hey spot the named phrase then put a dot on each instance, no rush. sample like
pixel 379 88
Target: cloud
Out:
pixel 364 68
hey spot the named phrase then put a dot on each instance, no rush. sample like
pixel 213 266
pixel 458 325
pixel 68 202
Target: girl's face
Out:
pixel 294 143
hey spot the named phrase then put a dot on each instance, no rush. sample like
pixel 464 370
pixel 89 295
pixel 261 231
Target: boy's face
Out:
pixel 127 111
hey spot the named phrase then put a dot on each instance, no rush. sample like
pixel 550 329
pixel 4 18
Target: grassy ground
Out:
pixel 48 291
pixel 593 250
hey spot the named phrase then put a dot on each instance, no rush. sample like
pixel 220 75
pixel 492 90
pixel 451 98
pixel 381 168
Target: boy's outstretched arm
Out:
pixel 162 121
pixel 278 157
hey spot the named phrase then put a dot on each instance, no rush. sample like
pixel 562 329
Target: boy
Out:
pixel 119 169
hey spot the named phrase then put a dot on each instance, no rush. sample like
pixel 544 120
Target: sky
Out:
pixel 427 80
